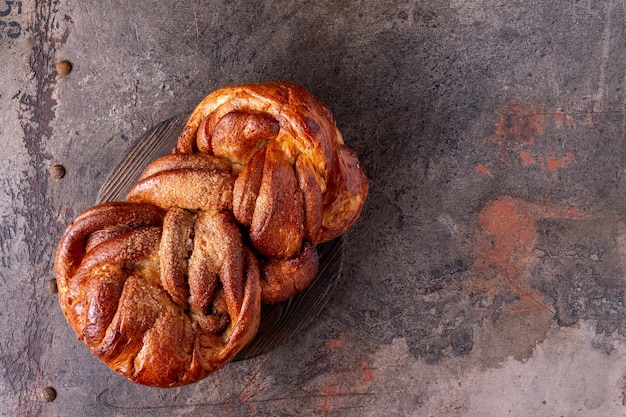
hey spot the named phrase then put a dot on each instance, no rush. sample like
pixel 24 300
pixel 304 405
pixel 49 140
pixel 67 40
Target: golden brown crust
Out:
pixel 193 189
pixel 296 181
pixel 134 317
pixel 164 288
pixel 283 278
pixel 174 249
pixel 277 225
pixel 303 120
pixel 177 161
pixel 345 195
pixel 246 188
pixel 253 130
pixel 306 131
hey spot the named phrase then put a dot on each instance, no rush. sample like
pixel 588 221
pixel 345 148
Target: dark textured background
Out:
pixel 486 276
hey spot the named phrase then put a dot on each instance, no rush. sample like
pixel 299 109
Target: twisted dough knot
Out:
pixel 297 184
pixel 166 287
pixel 120 271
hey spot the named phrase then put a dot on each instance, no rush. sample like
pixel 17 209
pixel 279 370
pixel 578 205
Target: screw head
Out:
pixel 57 171
pixel 48 394
pixel 63 68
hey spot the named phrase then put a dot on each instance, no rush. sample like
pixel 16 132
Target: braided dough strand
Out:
pixel 297 183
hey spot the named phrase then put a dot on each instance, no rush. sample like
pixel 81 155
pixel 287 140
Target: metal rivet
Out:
pixel 63 68
pixel 51 286
pixel 48 394
pixel 57 171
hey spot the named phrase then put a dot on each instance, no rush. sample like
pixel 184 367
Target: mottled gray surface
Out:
pixel 487 274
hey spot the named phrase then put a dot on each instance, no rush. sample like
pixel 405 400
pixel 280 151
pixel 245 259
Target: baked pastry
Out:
pixel 167 286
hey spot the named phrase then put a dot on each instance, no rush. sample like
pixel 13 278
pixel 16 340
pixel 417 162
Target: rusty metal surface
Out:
pixel 487 274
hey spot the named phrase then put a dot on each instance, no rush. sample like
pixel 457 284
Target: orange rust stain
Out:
pixel 508 232
pixel 368 375
pixel 508 236
pixel 329 395
pixel 483 283
pixel 571 213
pixel 336 343
pixel 563 117
pixel 329 389
pixel 555 163
pixel 527 159
pixel 344 377
pixel 518 126
pixel 250 384
pixel 482 169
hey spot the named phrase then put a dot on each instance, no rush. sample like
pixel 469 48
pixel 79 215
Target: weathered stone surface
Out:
pixel 487 274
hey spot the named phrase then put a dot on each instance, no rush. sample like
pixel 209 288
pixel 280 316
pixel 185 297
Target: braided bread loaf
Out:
pixel 167 286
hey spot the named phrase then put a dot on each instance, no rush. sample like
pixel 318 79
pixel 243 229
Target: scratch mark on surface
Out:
pixel 104 399
pixel 598 98
pixel 195 19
